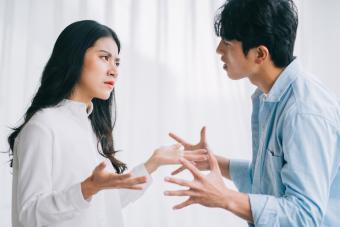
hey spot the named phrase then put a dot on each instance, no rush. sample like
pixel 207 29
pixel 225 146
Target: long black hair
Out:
pixel 61 74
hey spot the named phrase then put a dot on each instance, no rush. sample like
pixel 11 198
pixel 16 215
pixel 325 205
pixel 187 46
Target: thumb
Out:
pixel 203 136
pixel 100 167
pixel 213 162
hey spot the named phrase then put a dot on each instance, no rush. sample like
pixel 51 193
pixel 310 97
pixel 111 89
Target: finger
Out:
pixel 115 176
pixel 213 162
pixel 196 158
pixel 180 182
pixel 100 167
pixel 134 181
pixel 203 137
pixel 135 187
pixel 184 204
pixel 178 139
pixel 180 193
pixel 177 171
pixel 191 167
pixel 132 187
pixel 197 151
pixel 114 181
pixel 180 169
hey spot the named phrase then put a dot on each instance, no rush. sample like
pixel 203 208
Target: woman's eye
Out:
pixel 117 64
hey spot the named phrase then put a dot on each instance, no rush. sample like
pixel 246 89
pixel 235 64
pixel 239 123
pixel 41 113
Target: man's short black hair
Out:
pixel 272 23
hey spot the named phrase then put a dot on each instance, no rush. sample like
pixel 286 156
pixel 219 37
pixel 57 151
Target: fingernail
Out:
pixel 166 193
pixel 167 178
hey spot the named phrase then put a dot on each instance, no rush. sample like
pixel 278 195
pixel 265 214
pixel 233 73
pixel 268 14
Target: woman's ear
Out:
pixel 262 54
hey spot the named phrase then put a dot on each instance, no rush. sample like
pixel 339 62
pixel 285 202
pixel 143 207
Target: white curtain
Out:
pixel 171 79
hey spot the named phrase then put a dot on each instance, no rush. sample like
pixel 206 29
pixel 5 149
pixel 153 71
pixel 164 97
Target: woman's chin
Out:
pixel 104 96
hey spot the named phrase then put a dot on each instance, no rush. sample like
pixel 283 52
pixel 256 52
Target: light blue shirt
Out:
pixel 294 176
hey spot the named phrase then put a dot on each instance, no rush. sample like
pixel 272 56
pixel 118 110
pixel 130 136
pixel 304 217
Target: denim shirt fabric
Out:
pixel 294 176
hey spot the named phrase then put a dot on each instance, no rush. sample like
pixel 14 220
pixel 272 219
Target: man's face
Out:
pixel 236 64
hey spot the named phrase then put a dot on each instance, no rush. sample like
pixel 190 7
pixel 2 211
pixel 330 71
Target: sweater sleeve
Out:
pixel 37 203
pixel 126 195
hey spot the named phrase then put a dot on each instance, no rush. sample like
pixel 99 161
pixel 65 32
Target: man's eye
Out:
pixel 106 58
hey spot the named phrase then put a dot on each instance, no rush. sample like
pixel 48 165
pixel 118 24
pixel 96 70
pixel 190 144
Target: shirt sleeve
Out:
pixel 126 195
pixel 240 174
pixel 37 203
pixel 310 146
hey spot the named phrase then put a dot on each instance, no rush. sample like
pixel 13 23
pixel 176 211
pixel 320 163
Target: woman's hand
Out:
pixel 169 155
pixel 102 179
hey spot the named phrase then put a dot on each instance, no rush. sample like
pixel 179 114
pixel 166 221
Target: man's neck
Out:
pixel 265 77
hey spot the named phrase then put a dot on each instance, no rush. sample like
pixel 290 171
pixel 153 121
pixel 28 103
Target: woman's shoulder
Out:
pixel 41 123
pixel 45 116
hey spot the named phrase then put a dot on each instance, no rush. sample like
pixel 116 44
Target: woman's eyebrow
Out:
pixel 105 51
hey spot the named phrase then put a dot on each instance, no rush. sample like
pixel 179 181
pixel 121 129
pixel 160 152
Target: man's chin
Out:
pixel 234 77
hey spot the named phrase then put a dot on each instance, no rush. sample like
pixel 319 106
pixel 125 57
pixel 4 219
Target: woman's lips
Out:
pixel 109 83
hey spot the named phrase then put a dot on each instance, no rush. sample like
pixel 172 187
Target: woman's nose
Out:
pixel 113 71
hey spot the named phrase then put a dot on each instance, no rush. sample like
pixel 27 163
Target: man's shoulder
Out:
pixel 309 96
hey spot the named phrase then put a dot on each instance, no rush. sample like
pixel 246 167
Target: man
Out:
pixel 294 176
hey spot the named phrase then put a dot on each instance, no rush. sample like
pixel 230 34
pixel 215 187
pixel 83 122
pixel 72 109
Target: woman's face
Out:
pixel 100 71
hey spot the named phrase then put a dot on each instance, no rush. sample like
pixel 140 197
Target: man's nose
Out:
pixel 219 48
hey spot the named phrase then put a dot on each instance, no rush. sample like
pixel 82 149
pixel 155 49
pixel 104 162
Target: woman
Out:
pixel 67 131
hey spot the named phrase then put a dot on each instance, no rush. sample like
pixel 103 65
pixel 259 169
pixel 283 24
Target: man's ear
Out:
pixel 262 54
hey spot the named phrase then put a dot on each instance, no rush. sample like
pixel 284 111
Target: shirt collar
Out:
pixel 78 107
pixel 282 83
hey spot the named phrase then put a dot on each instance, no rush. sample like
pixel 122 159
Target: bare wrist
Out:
pixel 226 200
pixel 88 188
pixel 224 166
pixel 152 164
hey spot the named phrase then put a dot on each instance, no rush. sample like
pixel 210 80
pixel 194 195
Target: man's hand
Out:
pixel 201 164
pixel 208 190
pixel 202 144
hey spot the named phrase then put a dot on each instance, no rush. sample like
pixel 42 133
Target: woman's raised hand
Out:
pixel 168 155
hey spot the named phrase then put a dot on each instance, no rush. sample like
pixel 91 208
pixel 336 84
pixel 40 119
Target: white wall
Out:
pixel 170 80
pixel 318 42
